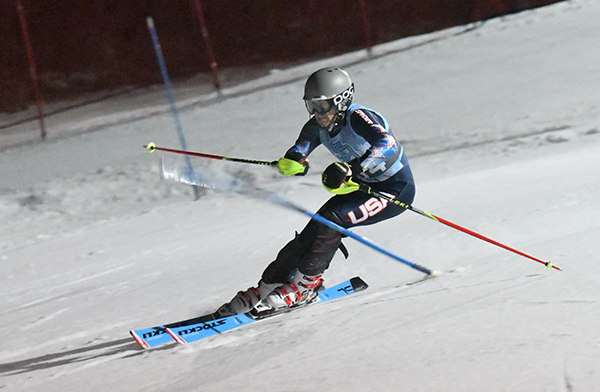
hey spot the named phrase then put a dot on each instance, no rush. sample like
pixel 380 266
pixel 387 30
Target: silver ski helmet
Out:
pixel 328 88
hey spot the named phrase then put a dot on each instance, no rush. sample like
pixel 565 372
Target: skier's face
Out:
pixel 324 110
pixel 325 119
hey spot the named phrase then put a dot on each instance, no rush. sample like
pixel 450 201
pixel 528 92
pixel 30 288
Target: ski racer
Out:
pixel 367 152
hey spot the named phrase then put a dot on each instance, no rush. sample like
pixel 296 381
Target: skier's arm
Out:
pixel 384 151
pixel 295 162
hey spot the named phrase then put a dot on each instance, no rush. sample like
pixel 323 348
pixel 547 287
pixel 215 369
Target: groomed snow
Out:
pixel 501 126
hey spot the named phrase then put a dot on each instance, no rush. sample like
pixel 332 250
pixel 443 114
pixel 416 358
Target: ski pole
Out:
pixel 368 190
pixel 152 147
pixel 241 188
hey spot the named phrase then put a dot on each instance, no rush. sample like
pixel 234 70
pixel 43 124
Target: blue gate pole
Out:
pixel 169 90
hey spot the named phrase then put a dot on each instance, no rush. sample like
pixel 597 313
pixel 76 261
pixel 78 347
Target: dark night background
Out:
pixel 82 46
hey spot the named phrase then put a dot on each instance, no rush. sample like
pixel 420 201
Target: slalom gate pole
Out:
pixel 365 241
pixel 32 68
pixel 169 90
pixel 152 147
pixel 209 50
pixel 369 191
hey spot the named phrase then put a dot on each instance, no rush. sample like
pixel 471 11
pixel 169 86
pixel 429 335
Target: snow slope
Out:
pixel 501 125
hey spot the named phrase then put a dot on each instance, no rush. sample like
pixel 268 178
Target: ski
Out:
pixel 191 330
pixel 155 336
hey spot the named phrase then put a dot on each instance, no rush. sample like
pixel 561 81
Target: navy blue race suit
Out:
pixel 363 139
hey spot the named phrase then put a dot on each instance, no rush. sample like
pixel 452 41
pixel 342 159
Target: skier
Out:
pixel 368 152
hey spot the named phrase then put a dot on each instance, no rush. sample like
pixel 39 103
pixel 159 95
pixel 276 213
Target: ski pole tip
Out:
pixel 435 273
pixel 151 146
pixel 550 265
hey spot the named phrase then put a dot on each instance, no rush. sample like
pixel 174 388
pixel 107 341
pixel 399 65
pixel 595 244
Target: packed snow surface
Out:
pixel 501 124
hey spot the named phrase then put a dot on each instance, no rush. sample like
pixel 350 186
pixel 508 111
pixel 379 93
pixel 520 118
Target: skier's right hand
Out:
pixel 294 164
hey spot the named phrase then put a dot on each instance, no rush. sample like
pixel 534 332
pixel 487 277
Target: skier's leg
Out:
pixel 276 274
pixel 309 254
pixel 322 243
pixel 286 262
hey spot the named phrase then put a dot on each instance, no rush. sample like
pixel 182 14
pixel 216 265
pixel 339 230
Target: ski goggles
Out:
pixel 319 106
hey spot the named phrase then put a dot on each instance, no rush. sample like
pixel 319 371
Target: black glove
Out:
pixel 335 174
pixel 337 179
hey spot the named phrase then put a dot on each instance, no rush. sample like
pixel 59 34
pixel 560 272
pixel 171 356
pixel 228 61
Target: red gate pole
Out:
pixel 366 26
pixel 209 50
pixel 32 69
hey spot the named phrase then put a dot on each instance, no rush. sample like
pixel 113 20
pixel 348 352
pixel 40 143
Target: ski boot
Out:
pixel 301 289
pixel 244 301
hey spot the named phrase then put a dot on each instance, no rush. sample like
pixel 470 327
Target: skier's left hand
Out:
pixel 293 164
pixel 337 179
